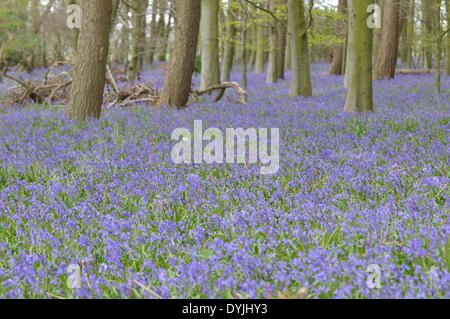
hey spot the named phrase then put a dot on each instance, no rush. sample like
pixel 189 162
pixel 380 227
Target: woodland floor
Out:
pixel 352 191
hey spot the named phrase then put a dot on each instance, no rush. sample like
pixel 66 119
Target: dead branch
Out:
pixel 221 88
pixel 53 67
pixel 412 71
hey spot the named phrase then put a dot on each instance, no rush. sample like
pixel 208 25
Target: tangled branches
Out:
pixel 55 89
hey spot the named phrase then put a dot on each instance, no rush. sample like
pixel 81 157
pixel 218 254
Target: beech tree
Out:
pixel 281 44
pixel 447 67
pixel 272 74
pixel 298 39
pixel 337 65
pixel 86 97
pixel 427 24
pixel 359 59
pixel 179 78
pixel 259 50
pixel 138 43
pixel 390 33
pixel 209 36
pixel 229 49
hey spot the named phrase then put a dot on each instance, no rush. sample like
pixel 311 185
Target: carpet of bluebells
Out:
pixel 352 191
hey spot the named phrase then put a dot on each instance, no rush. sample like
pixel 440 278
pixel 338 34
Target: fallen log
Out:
pixel 414 71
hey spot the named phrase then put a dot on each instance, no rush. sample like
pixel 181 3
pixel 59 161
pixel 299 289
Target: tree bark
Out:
pixel 259 57
pixel 447 66
pixel 281 44
pixel 179 79
pixel 388 51
pixel 153 33
pixel 75 33
pixel 229 49
pixel 427 23
pixel 209 35
pixel 411 33
pixel 138 45
pixel 86 96
pixel 359 60
pixel 271 76
pixel 300 59
pixel 338 50
pixel 244 42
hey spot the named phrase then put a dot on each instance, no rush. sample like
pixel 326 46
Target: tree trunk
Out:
pixel 252 59
pixel 86 97
pixel 359 60
pixel 271 76
pixel 125 42
pixel 427 23
pixel 209 36
pixel 179 79
pixel 403 48
pixel 388 51
pixel 165 43
pixel 281 44
pixel 287 58
pixel 229 49
pixel 153 34
pixel 244 42
pixel 138 45
pixel 75 33
pixel 338 51
pixel 160 31
pixel 259 57
pixel 300 60
pixel 447 66
pixel 439 41
pixel 411 33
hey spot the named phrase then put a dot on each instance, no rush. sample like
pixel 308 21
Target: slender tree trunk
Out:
pixel 287 58
pixel 164 48
pixel 138 45
pixel 403 24
pixel 300 59
pixel 153 34
pixel 209 35
pixel 439 39
pixel 86 96
pixel 281 44
pixel 411 34
pixel 271 76
pixel 75 33
pixel 179 79
pixel 125 42
pixel 388 51
pixel 338 51
pixel 160 36
pixel 360 41
pixel 447 66
pixel 428 21
pixel 229 49
pixel 259 58
pixel 252 59
pixel 244 42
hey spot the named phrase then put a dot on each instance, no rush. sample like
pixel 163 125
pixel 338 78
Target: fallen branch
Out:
pixel 49 91
pixel 412 71
pixel 53 67
pixel 221 88
pixel 134 94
